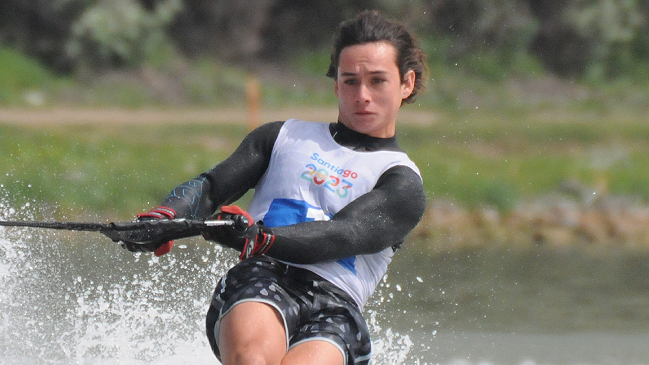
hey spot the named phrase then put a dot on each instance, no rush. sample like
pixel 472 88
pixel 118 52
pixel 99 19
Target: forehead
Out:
pixel 380 55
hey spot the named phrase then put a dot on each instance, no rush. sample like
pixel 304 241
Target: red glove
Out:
pixel 158 248
pixel 252 239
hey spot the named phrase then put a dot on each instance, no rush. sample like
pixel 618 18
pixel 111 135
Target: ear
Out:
pixel 336 87
pixel 408 84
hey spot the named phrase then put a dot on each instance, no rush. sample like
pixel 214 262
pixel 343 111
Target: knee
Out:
pixel 251 333
pixel 245 357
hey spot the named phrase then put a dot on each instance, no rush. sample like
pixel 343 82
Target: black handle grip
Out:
pixel 241 223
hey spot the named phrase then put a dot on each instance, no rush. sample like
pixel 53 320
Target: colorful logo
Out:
pixel 335 179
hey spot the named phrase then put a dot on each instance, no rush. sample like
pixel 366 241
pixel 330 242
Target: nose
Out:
pixel 363 95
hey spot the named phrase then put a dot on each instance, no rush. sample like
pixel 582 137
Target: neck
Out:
pixel 361 142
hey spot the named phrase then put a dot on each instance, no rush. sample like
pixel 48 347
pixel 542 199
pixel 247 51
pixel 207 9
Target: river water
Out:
pixel 78 298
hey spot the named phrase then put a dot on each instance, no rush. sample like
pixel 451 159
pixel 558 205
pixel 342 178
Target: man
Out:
pixel 332 204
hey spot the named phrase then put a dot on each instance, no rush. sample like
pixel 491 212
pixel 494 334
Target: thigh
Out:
pixel 315 352
pixel 252 331
pixel 333 318
pixel 251 284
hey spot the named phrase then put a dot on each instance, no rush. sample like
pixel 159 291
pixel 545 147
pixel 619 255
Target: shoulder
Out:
pixel 268 129
pixel 401 174
pixel 264 136
pixel 303 125
pixel 274 128
pixel 294 130
pixel 405 183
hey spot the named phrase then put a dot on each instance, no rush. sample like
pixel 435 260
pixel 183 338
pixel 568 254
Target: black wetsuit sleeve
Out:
pixel 376 220
pixel 226 182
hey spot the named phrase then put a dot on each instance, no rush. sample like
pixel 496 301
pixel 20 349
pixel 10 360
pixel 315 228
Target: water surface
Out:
pixel 78 298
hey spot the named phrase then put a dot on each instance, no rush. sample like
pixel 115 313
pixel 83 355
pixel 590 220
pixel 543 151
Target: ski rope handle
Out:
pixel 119 226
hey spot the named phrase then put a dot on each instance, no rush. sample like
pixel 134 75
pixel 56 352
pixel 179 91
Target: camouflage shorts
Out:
pixel 311 307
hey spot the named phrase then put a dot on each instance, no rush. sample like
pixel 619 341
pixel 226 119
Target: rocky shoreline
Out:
pixel 553 220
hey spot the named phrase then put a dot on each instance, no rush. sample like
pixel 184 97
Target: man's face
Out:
pixel 369 88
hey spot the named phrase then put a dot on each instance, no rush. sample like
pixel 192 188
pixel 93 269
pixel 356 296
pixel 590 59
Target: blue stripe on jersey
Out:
pixel 284 212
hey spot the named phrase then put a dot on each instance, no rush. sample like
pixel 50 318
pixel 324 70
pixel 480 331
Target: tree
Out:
pixel 119 32
pixel 572 38
pixel 502 28
pixel 248 31
pixel 40 28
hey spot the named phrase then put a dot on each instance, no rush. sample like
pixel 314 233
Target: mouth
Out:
pixel 364 113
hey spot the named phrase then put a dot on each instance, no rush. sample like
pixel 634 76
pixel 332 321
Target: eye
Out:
pixel 350 82
pixel 378 80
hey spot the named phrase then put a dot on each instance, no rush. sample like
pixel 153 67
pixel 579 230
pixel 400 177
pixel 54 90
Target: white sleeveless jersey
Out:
pixel 311 177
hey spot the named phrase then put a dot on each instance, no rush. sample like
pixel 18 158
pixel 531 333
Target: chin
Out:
pixel 363 127
pixel 370 130
pixel 366 124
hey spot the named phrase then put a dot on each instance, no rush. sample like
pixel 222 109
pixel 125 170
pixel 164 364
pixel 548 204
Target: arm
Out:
pixel 229 180
pixel 379 219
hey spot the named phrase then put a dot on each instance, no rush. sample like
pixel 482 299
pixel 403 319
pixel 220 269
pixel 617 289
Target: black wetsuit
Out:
pixel 381 218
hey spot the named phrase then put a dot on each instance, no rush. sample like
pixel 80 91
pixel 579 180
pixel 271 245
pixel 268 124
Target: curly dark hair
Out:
pixel 369 26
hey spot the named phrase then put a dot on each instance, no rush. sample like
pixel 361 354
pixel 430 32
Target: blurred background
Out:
pixel 534 114
pixel 532 138
pixel 164 45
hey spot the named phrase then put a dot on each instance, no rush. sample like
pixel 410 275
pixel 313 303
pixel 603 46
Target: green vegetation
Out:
pixel 176 82
pixel 490 158
pixel 495 135
pixel 105 169
pixel 23 80
pixel 471 159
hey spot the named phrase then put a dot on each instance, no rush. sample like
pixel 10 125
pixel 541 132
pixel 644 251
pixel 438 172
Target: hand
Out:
pixel 252 239
pixel 132 240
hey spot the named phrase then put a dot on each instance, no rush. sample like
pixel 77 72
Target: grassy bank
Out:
pixel 105 169
pixel 504 146
pixel 484 170
pixel 496 158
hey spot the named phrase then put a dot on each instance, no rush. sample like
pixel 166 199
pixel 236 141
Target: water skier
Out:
pixel 336 201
